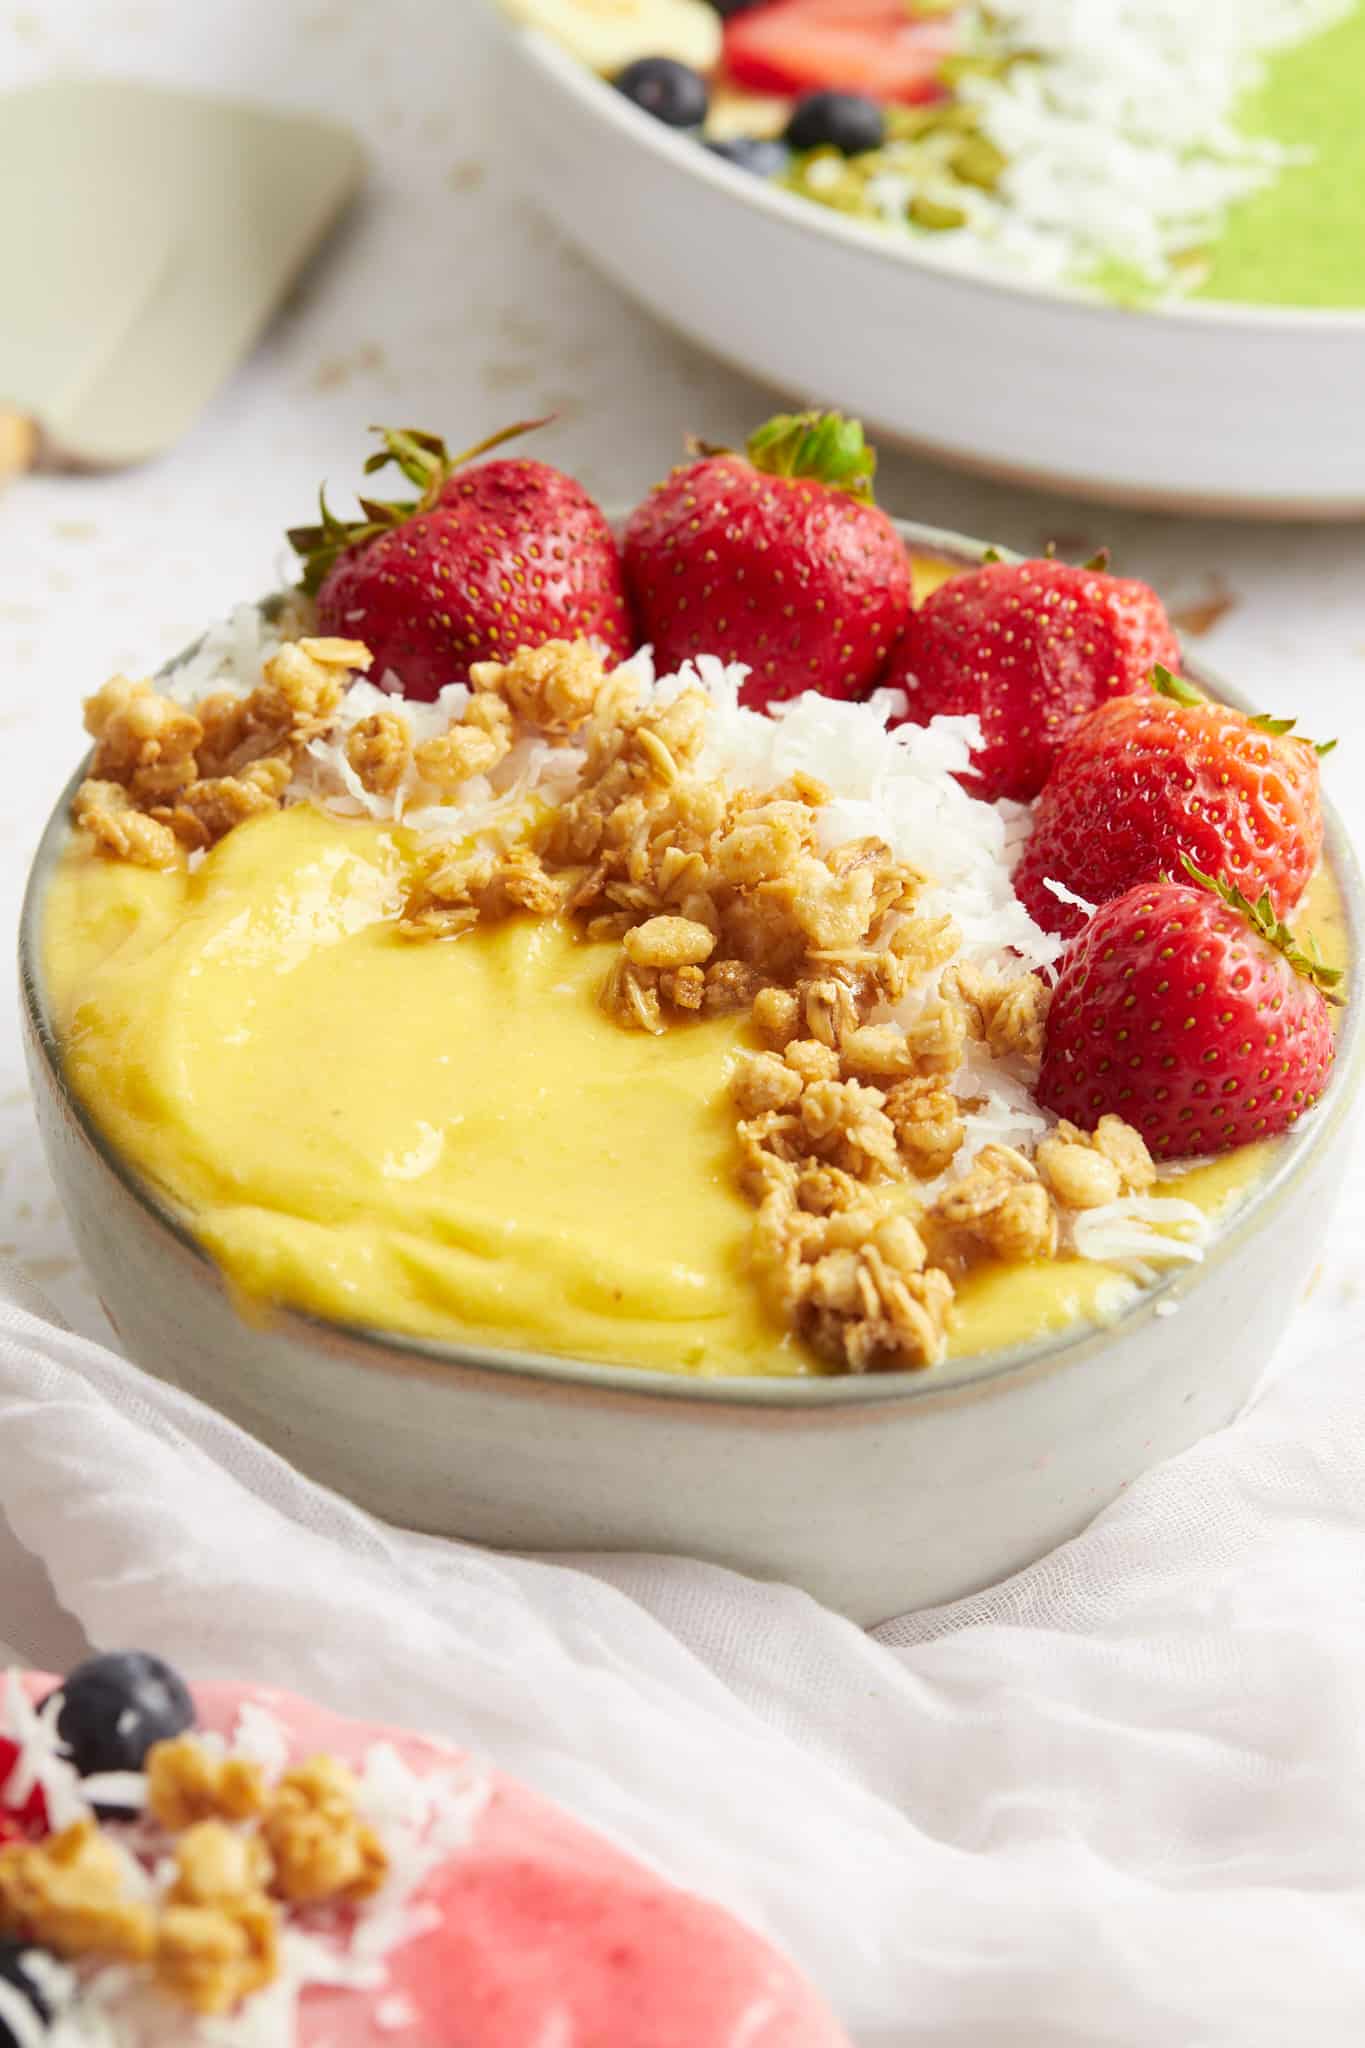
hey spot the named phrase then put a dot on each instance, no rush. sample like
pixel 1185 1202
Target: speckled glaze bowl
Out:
pixel 876 1495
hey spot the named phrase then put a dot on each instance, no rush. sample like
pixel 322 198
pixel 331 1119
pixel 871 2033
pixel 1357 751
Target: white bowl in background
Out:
pixel 1243 410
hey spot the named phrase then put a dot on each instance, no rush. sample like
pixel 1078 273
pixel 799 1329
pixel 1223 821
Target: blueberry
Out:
pixel 754 153
pixel 116 1706
pixel 674 93
pixel 837 120
pixel 24 1970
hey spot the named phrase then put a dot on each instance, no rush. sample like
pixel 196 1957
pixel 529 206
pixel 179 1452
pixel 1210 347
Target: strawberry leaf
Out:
pixel 378 512
pixel 1305 959
pixel 1175 687
pixel 703 451
pixel 320 546
pixel 423 460
pixel 1278 728
pixel 414 453
pixel 821 445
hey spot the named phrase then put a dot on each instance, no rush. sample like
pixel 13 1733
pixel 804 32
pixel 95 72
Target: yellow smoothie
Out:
pixel 447 1139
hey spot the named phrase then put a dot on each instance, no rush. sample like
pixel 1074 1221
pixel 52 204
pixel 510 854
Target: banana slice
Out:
pixel 609 34
pixel 745 113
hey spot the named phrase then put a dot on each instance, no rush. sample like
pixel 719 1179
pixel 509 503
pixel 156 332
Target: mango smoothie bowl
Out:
pixel 735 1039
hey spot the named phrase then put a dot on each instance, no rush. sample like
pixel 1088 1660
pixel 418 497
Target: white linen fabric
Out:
pixel 1118 1800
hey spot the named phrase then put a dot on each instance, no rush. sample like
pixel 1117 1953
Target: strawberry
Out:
pixel 28 1820
pixel 1146 778
pixel 1029 648
pixel 486 560
pixel 1193 1014
pixel 864 46
pixel 780 561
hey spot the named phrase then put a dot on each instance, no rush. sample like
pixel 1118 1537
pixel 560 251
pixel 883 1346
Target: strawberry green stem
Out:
pixel 821 445
pixel 1175 687
pixel 1184 692
pixel 1305 960
pixel 423 459
pixel 1279 728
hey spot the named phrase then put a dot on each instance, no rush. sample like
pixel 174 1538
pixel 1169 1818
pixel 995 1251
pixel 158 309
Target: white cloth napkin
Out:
pixel 1121 1799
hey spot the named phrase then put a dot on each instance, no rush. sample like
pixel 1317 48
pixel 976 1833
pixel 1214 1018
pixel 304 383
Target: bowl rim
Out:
pixel 680 150
pixel 398 1350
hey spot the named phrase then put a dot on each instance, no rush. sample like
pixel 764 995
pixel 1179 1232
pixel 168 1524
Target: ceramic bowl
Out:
pixel 1241 410
pixel 877 1495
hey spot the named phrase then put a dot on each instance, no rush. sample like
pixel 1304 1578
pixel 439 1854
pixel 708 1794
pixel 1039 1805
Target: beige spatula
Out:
pixel 145 238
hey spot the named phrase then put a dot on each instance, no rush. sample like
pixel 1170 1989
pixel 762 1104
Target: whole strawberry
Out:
pixel 1147 778
pixel 778 559
pixel 1191 1013
pixel 509 554
pixel 1029 648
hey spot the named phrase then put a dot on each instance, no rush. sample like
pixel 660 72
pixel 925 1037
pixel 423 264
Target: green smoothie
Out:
pixel 1302 241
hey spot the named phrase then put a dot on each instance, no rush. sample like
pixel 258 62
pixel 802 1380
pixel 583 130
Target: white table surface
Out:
pixel 447 303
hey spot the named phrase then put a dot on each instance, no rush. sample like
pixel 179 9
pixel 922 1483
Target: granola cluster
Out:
pixel 838 1135
pixel 167 779
pixel 549 689
pixel 718 900
pixel 724 900
pixel 241 1852
pixel 713 894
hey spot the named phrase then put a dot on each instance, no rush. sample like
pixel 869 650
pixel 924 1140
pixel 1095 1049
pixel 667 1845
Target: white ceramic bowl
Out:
pixel 876 1494
pixel 1236 409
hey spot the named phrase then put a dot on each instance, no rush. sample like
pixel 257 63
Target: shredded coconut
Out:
pixel 42 1759
pixel 1142 1233
pixel 1065 895
pixel 126 1790
pixel 19 2018
pixel 1116 120
pixel 394 2014
pixel 231 654
pixel 260 1737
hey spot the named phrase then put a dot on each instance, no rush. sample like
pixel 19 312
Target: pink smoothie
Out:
pixel 541 1932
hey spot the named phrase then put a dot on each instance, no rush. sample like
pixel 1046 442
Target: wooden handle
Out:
pixel 18 442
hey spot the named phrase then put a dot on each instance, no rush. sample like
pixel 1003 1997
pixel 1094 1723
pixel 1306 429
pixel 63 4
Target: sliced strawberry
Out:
pixel 863 46
pixel 23 1822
